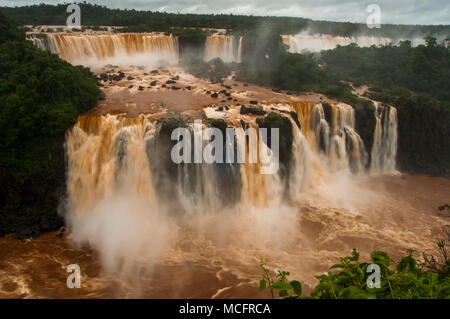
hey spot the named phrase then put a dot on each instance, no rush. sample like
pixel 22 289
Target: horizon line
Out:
pixel 220 14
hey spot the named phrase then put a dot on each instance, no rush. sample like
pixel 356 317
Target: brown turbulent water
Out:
pixel 402 215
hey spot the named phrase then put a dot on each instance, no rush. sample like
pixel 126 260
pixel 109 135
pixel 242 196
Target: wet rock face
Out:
pixel 27 232
pixel 109 77
pixel 191 43
pixel 227 175
pixel 294 116
pixel 275 120
pixel 365 125
pixel 32 231
pixel 327 110
pixel 163 169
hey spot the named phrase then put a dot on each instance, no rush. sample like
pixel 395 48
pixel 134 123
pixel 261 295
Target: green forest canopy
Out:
pixel 96 15
pixel 40 98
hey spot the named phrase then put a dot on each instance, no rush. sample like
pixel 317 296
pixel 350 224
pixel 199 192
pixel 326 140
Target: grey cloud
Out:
pixel 392 11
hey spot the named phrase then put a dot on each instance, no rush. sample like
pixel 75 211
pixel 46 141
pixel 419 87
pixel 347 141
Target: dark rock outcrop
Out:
pixel 365 124
pixel 275 120
pixel 252 110
pixel 295 118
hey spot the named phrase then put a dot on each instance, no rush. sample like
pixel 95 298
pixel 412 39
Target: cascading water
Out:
pixel 118 49
pixel 226 47
pixel 129 200
pixel 317 42
pixel 239 53
pixel 333 138
pixel 301 172
pixel 107 152
pixel 258 190
pixel 384 148
pixel 43 42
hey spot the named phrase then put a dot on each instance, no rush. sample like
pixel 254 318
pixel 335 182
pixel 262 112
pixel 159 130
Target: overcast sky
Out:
pixel 392 11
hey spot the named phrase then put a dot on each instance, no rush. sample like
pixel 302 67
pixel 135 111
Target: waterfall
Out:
pixel 316 42
pixel 301 172
pixel 43 42
pixel 106 155
pixel 384 149
pixel 113 154
pixel 118 49
pixel 126 195
pixel 258 190
pixel 226 47
pixel 334 138
pixel 239 53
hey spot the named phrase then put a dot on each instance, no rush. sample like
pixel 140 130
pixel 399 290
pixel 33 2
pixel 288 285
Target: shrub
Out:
pixel 407 279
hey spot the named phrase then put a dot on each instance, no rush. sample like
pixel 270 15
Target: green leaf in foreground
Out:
pixel 409 279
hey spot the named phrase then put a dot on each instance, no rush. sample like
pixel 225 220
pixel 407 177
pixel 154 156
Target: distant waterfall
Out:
pixel 226 47
pixel 101 49
pixel 44 42
pixel 316 42
pixel 239 53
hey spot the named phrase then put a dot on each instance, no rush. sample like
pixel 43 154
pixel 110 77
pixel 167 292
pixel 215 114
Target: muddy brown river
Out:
pixel 220 258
